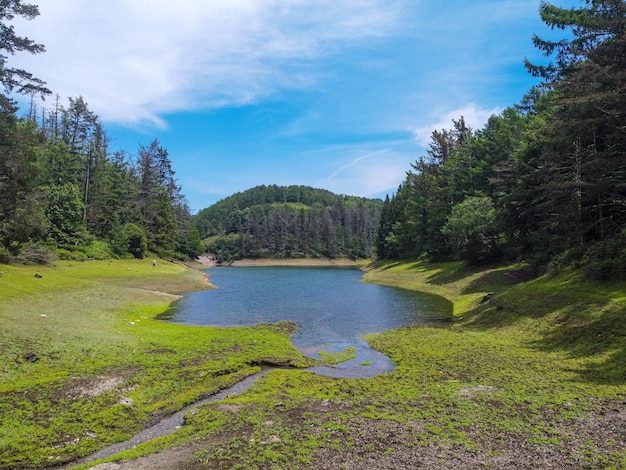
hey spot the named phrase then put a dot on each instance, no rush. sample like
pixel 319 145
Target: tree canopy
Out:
pixel 553 167
pixel 62 189
pixel 15 79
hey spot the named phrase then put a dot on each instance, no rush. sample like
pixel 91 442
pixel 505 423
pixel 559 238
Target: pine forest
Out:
pixel 544 181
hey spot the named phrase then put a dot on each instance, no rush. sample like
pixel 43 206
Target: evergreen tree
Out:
pixel 21 217
pixel 21 203
pixel 583 145
pixel 64 213
pixel 290 222
pixel 14 79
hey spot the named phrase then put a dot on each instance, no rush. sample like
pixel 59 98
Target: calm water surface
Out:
pixel 331 307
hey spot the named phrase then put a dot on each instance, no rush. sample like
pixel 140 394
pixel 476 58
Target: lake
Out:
pixel 331 307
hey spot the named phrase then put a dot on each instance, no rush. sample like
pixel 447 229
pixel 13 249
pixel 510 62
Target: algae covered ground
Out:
pixel 531 374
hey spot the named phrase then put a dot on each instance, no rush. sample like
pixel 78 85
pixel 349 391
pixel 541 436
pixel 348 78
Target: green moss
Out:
pixel 337 357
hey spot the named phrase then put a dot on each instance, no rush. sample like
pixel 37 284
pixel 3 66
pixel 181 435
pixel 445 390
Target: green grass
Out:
pixel 96 339
pixel 530 368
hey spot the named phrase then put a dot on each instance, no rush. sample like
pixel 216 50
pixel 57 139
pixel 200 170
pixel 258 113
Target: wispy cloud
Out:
pixel 352 163
pixel 135 60
pixel 376 177
pixel 342 94
pixel 474 117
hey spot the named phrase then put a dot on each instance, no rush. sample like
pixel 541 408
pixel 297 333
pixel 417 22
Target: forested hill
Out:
pixel 289 222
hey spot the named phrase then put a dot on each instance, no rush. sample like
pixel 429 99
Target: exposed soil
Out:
pixel 377 444
pixel 369 444
pixel 365 443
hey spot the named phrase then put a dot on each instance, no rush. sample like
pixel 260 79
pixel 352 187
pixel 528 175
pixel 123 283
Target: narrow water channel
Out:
pixel 167 425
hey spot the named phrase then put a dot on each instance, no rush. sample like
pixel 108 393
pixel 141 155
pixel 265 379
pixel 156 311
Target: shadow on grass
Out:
pixel 437 309
pixel 601 343
pixel 385 265
pixel 587 328
pixel 492 277
pixel 499 279
pixel 450 272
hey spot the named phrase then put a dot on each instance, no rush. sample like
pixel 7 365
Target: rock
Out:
pixel 126 401
pixel 38 276
pixel 31 357
pixel 273 439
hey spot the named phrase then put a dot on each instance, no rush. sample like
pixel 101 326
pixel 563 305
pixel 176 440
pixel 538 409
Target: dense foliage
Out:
pixel 62 190
pixel 289 222
pixel 546 179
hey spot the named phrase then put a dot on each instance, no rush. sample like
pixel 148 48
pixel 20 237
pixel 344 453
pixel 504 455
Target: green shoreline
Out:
pixel 532 363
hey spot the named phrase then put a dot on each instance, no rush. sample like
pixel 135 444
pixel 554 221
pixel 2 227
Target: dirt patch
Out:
pixel 179 458
pixel 470 392
pixel 92 386
pixel 206 261
pixel 229 408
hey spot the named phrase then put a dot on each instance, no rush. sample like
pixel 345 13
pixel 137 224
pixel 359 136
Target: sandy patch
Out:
pixel 206 261
pixel 294 262
pixel 92 386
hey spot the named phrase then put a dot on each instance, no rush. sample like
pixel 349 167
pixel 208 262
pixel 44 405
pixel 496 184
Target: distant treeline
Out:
pixel 545 181
pixel 289 222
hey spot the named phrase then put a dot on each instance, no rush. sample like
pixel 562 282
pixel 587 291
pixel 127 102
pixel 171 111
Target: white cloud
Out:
pixel 474 116
pixel 134 60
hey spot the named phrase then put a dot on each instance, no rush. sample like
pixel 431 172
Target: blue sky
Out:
pixel 335 94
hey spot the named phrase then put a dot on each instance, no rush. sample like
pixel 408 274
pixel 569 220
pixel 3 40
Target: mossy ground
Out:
pixel 84 362
pixel 531 374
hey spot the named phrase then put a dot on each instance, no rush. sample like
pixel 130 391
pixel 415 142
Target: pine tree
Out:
pixel 584 144
pixel 14 79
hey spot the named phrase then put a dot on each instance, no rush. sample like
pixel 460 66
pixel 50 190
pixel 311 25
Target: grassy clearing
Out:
pixel 531 374
pixel 84 363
